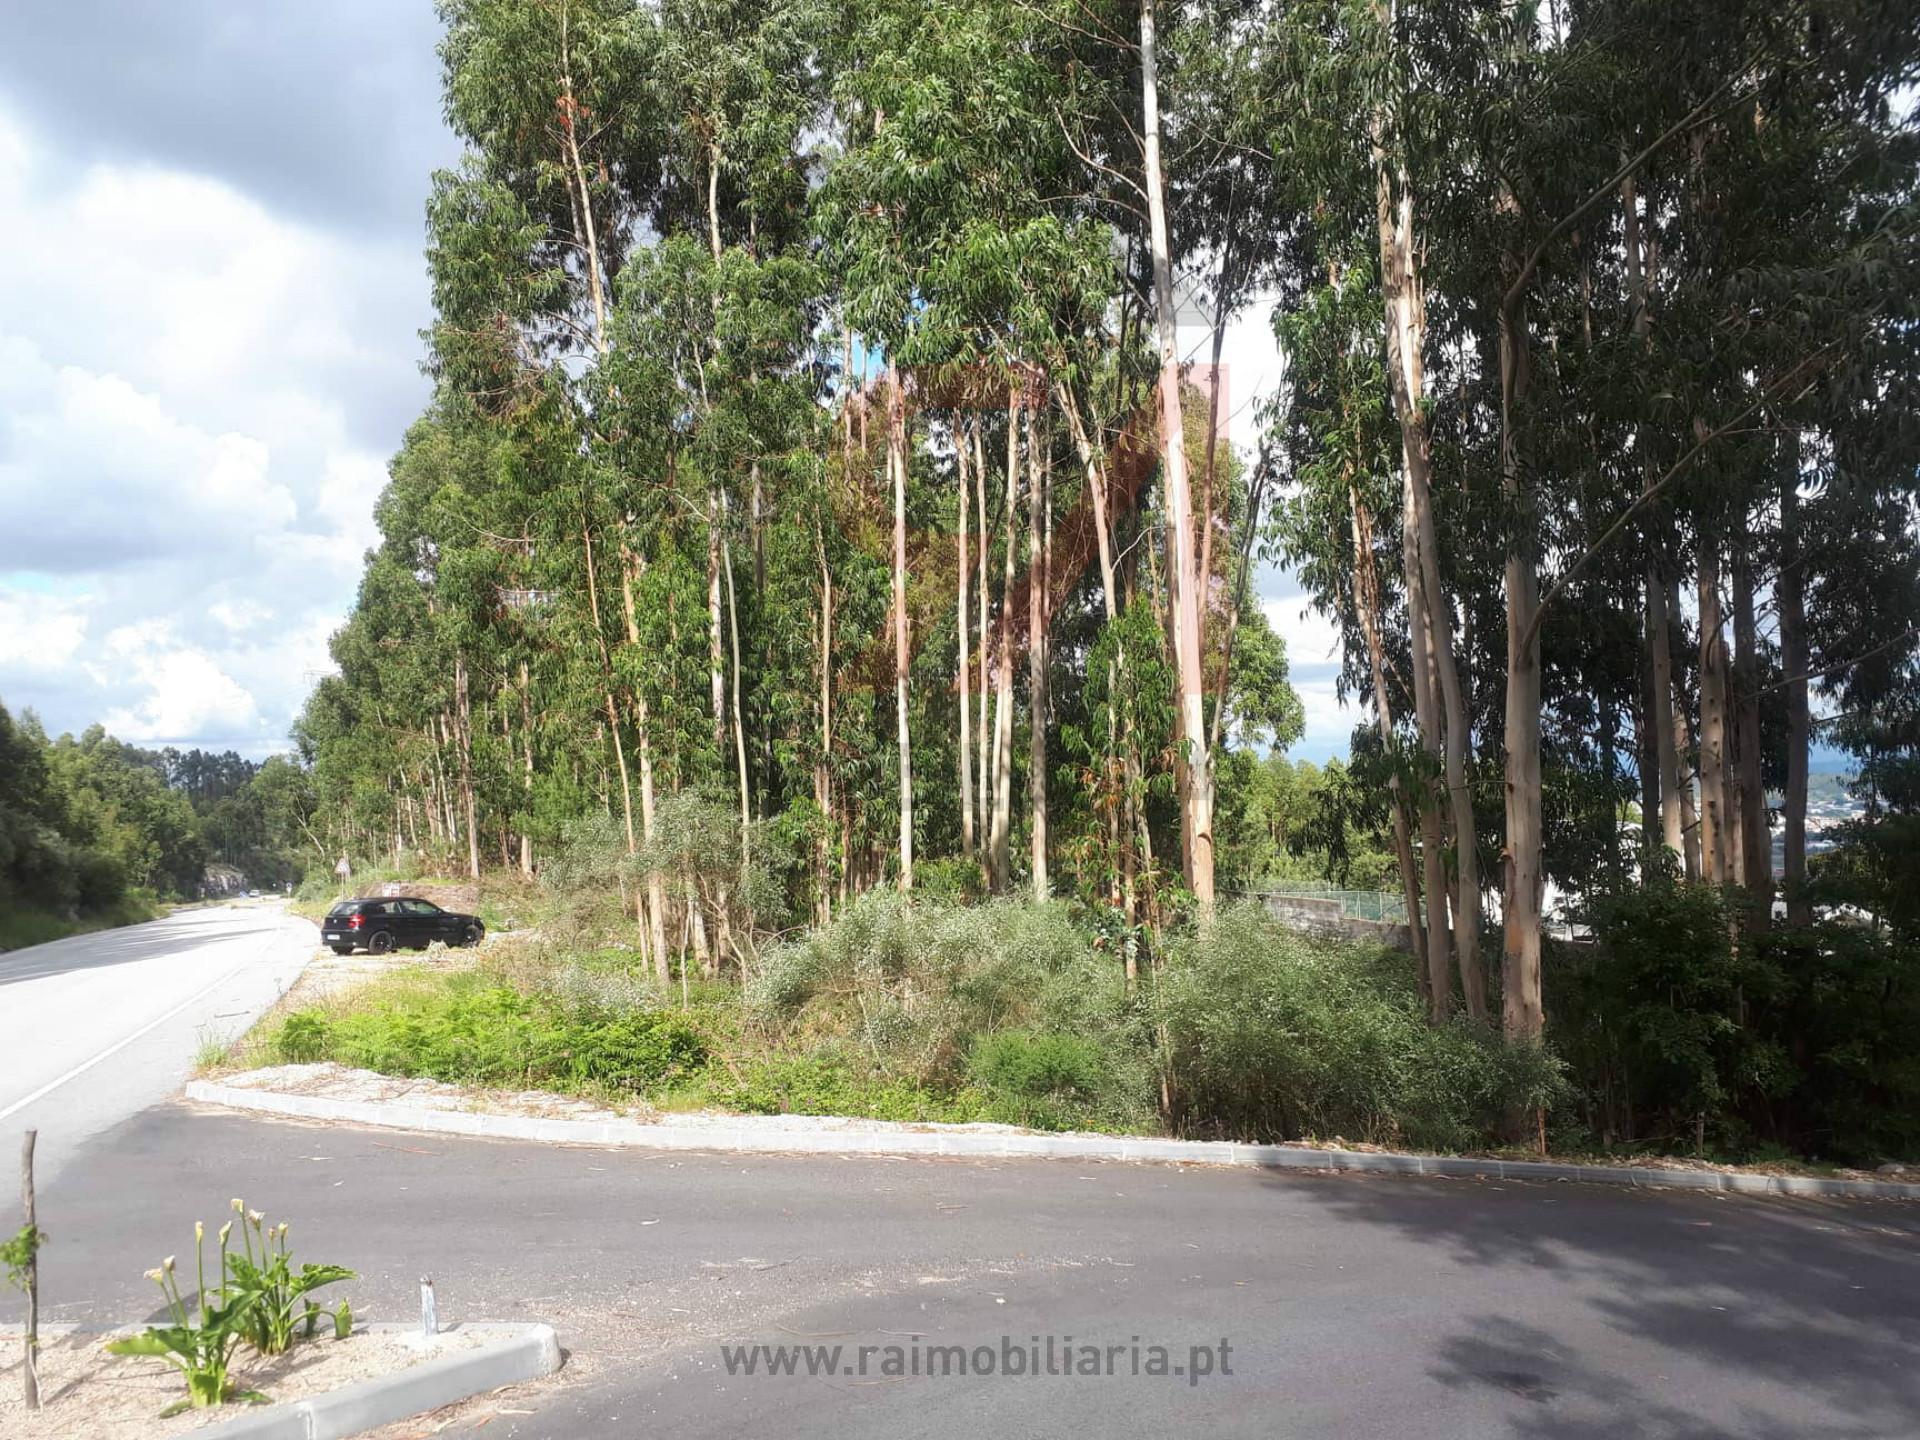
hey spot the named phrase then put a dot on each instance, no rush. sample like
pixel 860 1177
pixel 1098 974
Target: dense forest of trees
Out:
pixel 816 487
pixel 88 824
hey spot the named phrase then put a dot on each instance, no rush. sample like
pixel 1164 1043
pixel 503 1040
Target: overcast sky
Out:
pixel 211 292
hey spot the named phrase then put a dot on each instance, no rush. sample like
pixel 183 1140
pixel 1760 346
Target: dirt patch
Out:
pixel 463 898
pixel 337 1082
pixel 87 1394
pixel 328 974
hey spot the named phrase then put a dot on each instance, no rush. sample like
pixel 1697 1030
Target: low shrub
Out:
pixel 1038 1066
pixel 914 981
pixel 823 1083
pixel 1272 1035
pixel 1683 1033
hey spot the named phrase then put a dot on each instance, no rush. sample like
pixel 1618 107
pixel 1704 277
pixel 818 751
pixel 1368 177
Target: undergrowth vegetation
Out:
pixel 929 1010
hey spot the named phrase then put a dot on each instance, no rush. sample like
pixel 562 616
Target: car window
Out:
pixel 345 907
pixel 420 907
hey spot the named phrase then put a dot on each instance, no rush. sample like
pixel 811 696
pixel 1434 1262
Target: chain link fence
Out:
pixel 1381 906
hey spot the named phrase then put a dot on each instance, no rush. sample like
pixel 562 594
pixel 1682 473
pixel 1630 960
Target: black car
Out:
pixel 400 923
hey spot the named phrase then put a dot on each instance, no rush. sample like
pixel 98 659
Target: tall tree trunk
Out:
pixel 713 200
pixel 1439 987
pixel 897 465
pixel 1038 465
pixel 1097 491
pixel 1714 820
pixel 984 585
pixel 606 682
pixel 526 743
pixel 1756 844
pixel 739 727
pixel 1522 1014
pixel 1672 827
pixel 1184 594
pixel 1791 593
pixel 716 656
pixel 1366 594
pixel 1129 828
pixel 464 738
pixel 570 117
pixel 1689 773
pixel 962 620
pixel 822 770
pixel 1442 718
pixel 998 833
pixel 632 566
pixel 1659 627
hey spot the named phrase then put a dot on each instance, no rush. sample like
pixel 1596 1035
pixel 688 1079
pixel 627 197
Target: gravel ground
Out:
pixel 88 1394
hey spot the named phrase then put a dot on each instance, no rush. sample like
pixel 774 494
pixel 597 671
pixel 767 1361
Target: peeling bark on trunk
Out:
pixel 1522 1015
pixel 1184 595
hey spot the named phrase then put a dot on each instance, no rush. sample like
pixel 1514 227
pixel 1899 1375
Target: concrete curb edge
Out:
pixel 928 1141
pixel 525 1353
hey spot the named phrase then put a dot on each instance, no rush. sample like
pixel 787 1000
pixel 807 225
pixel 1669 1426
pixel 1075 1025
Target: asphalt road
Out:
pixel 95 1028
pixel 1354 1306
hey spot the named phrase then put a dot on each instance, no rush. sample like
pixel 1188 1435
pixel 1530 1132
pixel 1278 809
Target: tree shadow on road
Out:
pixel 99 949
pixel 1815 1304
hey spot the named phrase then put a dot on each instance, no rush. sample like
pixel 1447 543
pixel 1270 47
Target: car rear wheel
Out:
pixel 381 942
pixel 471 935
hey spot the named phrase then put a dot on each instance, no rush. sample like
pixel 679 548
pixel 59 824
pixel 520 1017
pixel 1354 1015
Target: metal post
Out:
pixel 429 1321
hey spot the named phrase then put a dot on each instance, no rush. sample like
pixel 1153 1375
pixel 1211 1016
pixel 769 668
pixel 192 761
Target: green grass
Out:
pixel 215 1052
pixel 472 1028
pixel 23 925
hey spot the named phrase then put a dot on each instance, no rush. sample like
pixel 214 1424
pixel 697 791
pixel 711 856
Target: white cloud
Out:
pixel 187 694
pixel 1312 638
pixel 1313 665
pixel 40 632
pixel 239 615
pixel 189 389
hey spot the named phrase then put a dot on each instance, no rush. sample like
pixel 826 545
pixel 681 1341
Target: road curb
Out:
pixel 526 1353
pixel 956 1143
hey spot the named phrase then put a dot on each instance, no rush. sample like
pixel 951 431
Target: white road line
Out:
pixel 119 1045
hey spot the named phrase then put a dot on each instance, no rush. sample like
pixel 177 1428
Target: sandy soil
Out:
pixel 87 1394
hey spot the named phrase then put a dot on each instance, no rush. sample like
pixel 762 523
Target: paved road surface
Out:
pixel 95 1028
pixel 1356 1307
